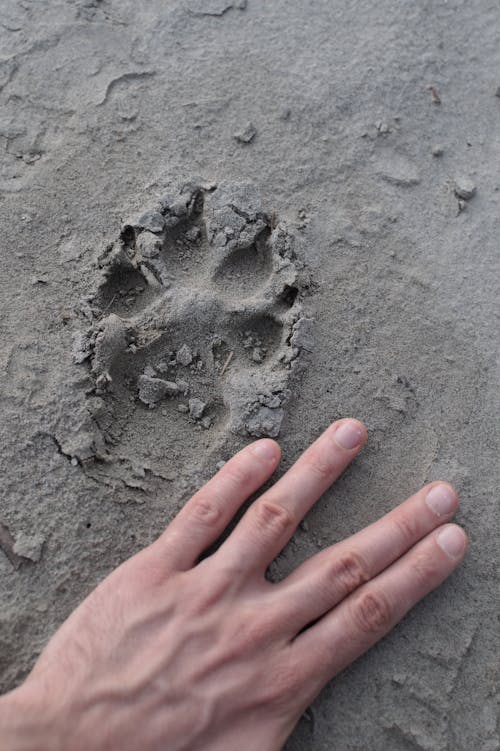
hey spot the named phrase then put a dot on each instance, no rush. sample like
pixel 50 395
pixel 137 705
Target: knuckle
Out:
pixel 407 528
pixel 205 511
pixel 371 613
pixel 203 592
pixel 151 564
pixel 232 571
pixel 256 632
pixel 350 571
pixel 237 474
pixel 273 517
pixel 322 468
pixel 425 569
pixel 282 685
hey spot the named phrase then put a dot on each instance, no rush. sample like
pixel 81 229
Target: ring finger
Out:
pixel 364 617
pixel 324 580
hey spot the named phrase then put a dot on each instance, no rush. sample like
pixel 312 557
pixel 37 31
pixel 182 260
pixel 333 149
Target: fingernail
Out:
pixel 349 435
pixel 441 499
pixel 265 450
pixel 452 540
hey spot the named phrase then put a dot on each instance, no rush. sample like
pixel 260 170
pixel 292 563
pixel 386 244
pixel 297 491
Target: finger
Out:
pixel 271 521
pixel 374 609
pixel 206 515
pixel 324 580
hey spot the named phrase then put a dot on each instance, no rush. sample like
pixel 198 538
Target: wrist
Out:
pixel 24 723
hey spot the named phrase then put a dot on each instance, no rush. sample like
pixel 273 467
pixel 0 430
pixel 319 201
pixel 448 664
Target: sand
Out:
pixel 223 220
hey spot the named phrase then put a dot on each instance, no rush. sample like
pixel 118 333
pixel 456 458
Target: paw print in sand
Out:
pixel 199 322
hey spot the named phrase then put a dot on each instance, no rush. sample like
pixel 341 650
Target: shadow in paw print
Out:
pixel 199 327
pixel 245 269
pixel 125 291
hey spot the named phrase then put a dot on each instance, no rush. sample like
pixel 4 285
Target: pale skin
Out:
pixel 177 652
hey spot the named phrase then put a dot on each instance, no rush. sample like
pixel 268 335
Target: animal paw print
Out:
pixel 199 322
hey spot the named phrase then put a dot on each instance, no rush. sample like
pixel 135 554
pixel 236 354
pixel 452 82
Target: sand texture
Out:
pixel 224 220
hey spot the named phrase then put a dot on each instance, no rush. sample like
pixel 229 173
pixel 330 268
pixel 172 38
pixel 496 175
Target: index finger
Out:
pixel 206 515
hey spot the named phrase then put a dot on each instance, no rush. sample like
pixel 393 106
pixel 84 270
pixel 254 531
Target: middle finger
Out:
pixel 270 522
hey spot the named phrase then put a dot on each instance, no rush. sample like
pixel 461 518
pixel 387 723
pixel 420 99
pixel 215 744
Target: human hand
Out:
pixel 170 652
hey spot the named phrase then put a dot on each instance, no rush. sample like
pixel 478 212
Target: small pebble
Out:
pixel 182 408
pixel 437 150
pixel 29 546
pixel 382 127
pixel 184 356
pixel 152 221
pixel 247 134
pixel 149 244
pixel 464 188
pixel 193 233
pixel 196 408
pixel 183 386
pixel 102 381
pixel 153 390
